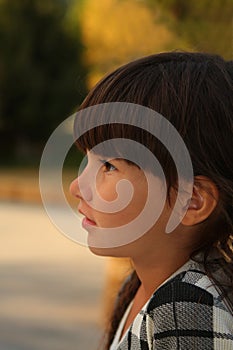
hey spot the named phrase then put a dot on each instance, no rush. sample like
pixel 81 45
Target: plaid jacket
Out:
pixel 185 313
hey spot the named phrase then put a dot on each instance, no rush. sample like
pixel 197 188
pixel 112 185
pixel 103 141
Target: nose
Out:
pixel 80 188
pixel 74 188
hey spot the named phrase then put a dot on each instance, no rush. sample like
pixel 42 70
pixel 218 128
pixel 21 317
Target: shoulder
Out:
pixel 187 312
pixel 189 308
pixel 189 286
pixel 192 285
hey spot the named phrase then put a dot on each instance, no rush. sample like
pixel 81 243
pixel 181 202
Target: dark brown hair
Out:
pixel 194 91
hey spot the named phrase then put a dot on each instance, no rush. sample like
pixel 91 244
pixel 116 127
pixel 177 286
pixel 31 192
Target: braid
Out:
pixel 125 296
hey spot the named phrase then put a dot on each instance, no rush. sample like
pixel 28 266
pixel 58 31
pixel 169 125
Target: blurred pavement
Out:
pixel 51 288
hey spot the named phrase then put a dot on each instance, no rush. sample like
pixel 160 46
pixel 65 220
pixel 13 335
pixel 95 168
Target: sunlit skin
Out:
pixel 91 190
pixel 156 254
pixel 155 246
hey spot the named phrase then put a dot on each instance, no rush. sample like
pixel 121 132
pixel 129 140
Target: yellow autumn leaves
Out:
pixel 116 31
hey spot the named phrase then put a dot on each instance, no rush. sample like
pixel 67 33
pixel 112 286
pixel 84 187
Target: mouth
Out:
pixel 86 220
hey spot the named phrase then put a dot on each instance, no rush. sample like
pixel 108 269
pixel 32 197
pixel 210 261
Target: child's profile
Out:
pixel 180 293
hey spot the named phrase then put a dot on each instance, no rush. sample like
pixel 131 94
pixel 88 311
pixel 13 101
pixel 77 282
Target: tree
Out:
pixel 42 74
pixel 204 25
pixel 116 31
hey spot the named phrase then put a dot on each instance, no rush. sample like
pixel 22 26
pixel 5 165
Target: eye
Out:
pixel 108 166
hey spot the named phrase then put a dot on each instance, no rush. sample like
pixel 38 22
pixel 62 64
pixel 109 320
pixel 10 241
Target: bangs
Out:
pixel 126 141
pixel 115 131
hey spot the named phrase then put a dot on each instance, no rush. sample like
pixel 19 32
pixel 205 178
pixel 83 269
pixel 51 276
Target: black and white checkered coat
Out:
pixel 185 313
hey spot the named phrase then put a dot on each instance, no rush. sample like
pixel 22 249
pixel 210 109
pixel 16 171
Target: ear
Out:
pixel 203 202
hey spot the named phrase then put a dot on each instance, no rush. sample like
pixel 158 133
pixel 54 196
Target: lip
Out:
pixel 86 220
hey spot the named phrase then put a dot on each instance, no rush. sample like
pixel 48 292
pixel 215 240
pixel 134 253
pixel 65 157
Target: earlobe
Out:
pixel 203 202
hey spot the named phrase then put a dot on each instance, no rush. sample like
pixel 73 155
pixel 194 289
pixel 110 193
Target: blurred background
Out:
pixel 54 293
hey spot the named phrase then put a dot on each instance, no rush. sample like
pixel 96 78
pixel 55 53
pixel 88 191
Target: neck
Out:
pixel 152 274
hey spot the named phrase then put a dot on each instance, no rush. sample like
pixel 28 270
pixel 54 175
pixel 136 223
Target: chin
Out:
pixel 116 252
pixel 99 251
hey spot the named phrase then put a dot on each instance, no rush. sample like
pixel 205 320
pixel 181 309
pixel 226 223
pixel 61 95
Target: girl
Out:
pixel 180 293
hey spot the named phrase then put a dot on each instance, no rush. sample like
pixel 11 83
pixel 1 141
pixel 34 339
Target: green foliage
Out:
pixel 42 76
pixel 117 31
pixel 205 25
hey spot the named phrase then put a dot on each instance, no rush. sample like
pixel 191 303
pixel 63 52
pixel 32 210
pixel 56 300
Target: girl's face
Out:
pixel 96 189
pixel 98 184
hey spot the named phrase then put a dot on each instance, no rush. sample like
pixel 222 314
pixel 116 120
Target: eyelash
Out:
pixel 108 166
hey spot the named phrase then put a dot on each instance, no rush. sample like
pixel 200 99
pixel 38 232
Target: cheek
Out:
pixel 139 199
pixel 135 204
pixel 106 190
